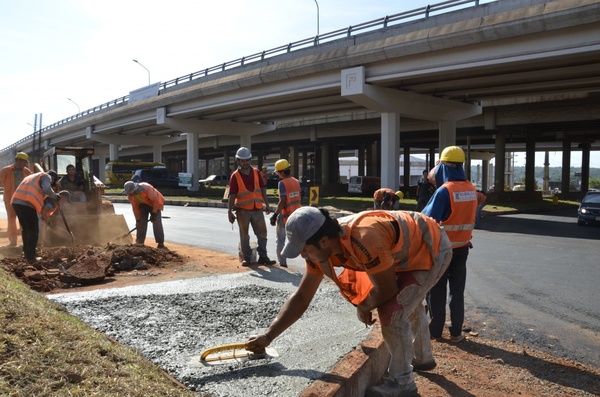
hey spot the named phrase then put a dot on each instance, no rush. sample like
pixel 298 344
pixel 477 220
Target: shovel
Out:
pixel 66 225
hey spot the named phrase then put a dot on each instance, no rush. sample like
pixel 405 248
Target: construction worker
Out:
pixel 290 199
pixel 390 260
pixel 146 202
pixel 10 177
pixel 248 198
pixel 453 205
pixel 387 199
pixel 424 191
pixel 27 202
pixel 73 183
pixel 481 200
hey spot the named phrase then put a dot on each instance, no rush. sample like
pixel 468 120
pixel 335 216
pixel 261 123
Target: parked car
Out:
pixel 589 209
pixel 215 180
pixel 159 177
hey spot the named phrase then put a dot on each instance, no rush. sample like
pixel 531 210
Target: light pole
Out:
pixel 135 60
pixel 317 17
pixel 78 108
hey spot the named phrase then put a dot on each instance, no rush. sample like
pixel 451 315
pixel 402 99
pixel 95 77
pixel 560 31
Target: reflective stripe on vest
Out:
pixel 30 191
pixel 293 198
pixel 355 285
pixel 463 204
pixel 246 199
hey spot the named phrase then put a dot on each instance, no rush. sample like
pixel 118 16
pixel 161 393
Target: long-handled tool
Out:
pixel 66 224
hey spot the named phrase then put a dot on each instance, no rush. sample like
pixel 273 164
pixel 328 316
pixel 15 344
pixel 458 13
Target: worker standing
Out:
pixel 27 202
pixel 248 198
pixel 453 205
pixel 387 199
pixel 390 260
pixel 481 200
pixel 147 204
pixel 424 191
pixel 290 199
pixel 10 177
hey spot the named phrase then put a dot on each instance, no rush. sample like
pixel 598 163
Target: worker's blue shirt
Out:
pixel 439 207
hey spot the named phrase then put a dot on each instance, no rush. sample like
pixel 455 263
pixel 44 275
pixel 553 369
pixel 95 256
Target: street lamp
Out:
pixel 144 68
pixel 317 17
pixel 78 108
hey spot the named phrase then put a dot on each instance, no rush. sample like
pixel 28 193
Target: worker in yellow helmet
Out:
pixel 453 205
pixel 10 177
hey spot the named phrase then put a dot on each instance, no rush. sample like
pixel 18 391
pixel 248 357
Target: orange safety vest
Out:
pixel 30 191
pixel 7 179
pixel 416 247
pixel 246 199
pixel 463 205
pixel 150 197
pixel 378 195
pixel 293 198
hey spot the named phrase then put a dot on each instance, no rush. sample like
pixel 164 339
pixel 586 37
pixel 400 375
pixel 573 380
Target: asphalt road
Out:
pixel 533 278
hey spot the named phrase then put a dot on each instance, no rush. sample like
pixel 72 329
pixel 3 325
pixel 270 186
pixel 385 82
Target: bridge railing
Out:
pixel 421 13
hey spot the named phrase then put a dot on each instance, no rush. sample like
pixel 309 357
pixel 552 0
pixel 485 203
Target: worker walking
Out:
pixel 390 260
pixel 290 199
pixel 27 202
pixel 248 198
pixel 481 200
pixel 425 190
pixel 453 205
pixel 387 199
pixel 10 177
pixel 147 204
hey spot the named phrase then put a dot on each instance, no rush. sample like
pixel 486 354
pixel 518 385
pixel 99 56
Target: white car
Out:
pixel 215 180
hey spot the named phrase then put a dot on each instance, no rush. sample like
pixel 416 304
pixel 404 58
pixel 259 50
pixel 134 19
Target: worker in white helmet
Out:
pixel 248 198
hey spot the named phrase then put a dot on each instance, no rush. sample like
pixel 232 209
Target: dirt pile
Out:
pixel 69 267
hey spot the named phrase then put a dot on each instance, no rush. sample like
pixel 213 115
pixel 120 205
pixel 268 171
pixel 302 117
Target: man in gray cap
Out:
pixel 390 260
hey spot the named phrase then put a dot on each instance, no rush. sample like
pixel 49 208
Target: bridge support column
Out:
pixel 113 152
pixel 500 153
pixel 529 164
pixel 447 134
pixel 192 160
pixel 566 167
pixel 157 153
pixel 325 163
pixel 585 166
pixel 390 150
pixel 406 171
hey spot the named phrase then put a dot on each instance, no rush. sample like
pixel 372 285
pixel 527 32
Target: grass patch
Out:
pixel 44 351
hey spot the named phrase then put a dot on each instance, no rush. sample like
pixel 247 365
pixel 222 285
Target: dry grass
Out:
pixel 44 351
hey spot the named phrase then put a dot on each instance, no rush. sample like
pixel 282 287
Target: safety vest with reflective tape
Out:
pixel 293 199
pixel 463 204
pixel 246 199
pixel 416 246
pixel 148 196
pixel 30 191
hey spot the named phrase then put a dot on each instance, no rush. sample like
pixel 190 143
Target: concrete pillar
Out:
pixel 294 159
pixel 529 164
pixel 546 186
pixel 192 159
pixel 390 148
pixel 447 134
pixel 113 152
pixel 361 159
pixel 566 167
pixel 324 164
pixel 485 166
pixel 432 157
pixel 406 170
pixel 500 153
pixel 157 153
pixel 585 166
pixel 101 164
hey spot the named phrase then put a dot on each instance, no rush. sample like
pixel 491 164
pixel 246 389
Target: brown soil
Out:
pixel 475 367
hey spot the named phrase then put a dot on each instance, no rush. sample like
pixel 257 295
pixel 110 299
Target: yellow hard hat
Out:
pixel 281 165
pixel 400 195
pixel 22 156
pixel 453 154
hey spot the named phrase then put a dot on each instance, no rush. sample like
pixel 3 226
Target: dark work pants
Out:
pixel 142 226
pixel 456 277
pixel 30 229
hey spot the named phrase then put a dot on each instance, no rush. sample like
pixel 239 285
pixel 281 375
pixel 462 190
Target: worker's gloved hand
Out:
pixel 152 217
pixel 273 219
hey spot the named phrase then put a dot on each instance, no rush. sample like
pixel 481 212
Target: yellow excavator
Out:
pixel 88 219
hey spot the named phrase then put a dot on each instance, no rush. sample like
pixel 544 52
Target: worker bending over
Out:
pixel 390 260
pixel 146 201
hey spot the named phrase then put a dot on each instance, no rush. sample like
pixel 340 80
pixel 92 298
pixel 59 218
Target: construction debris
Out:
pixel 69 267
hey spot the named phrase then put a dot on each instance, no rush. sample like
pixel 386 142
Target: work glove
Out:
pixel 273 219
pixel 152 217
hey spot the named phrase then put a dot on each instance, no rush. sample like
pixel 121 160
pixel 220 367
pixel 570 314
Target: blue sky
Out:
pixel 84 50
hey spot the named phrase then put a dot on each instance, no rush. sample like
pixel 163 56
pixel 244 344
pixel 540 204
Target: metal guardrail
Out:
pixel 422 13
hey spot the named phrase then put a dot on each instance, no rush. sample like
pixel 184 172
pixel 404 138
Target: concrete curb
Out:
pixel 355 372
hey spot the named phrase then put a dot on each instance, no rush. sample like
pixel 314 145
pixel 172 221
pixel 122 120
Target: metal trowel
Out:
pixel 234 352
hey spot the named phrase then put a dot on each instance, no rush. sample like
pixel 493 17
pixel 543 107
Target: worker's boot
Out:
pixel 391 388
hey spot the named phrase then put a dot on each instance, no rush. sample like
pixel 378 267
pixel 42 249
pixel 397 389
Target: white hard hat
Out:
pixel 243 153
pixel 130 187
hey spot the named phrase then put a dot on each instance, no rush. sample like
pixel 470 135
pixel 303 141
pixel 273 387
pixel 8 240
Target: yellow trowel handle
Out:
pixel 222 348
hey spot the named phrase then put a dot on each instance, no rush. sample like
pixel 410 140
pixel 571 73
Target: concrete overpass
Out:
pixel 488 77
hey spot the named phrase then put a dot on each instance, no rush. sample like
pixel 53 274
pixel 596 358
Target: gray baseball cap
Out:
pixel 300 226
